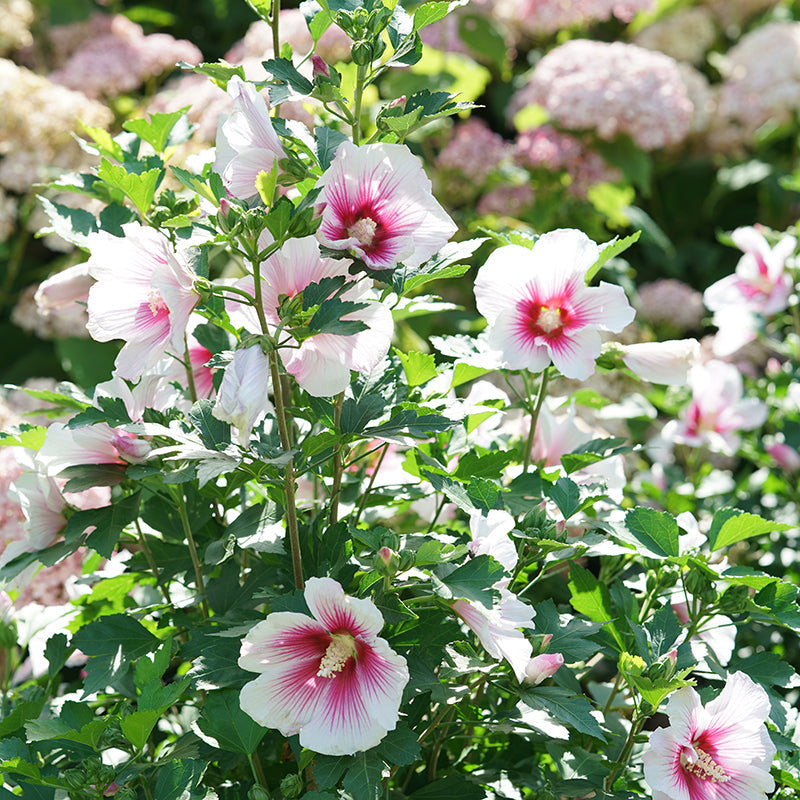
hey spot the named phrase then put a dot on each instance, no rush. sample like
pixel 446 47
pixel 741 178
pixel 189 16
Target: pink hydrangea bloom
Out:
pixel 549 16
pixel 328 677
pixel 670 304
pixel 539 309
pixel 717 410
pixel 611 89
pixel 507 201
pixel 376 202
pixel 143 295
pixel 246 141
pixel 474 151
pixel 321 364
pixel 720 751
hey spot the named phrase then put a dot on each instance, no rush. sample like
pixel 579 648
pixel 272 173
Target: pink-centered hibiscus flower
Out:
pixel 377 203
pixel 143 295
pixel 321 364
pixel 539 309
pixel 246 141
pixel 328 677
pixel 718 752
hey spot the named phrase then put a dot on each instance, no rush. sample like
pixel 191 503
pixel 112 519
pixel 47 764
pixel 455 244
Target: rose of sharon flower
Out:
pixel 539 309
pixel 716 411
pixel 143 295
pixel 662 362
pixel 718 752
pixel 328 677
pixel 377 203
pixel 543 666
pixel 246 141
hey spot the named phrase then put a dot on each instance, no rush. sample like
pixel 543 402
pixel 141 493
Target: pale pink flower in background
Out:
pixel 322 363
pixel 543 666
pixel 671 304
pixel 760 286
pixel 716 637
pixel 246 141
pixel 718 752
pixel 785 456
pixel 539 309
pixel 143 295
pixel 243 394
pixel 330 678
pixel 717 410
pixel 490 537
pixel 376 202
pixel 662 362
pixel 64 288
pixel 498 628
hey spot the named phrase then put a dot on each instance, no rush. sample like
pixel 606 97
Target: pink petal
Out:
pixel 575 352
pixel 339 612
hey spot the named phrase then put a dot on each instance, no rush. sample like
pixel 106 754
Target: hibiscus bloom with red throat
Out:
pixel 377 203
pixel 328 677
pixel 539 309
pixel 720 751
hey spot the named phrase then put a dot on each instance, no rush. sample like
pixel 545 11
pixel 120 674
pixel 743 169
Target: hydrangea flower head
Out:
pixel 718 752
pixel 539 309
pixel 328 677
pixel 377 203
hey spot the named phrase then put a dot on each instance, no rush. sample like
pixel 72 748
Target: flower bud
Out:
pixel 74 778
pixel 387 562
pixel 320 67
pixel 734 599
pixel 361 53
pixel 786 457
pixel 260 793
pixel 663 668
pixel 64 288
pixel 699 584
pixel 542 666
pixel 291 786
pixel 407 560
pixel 662 362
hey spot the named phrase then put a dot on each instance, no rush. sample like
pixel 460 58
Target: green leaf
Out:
pixel 254 527
pixel 764 667
pixel 418 367
pixel 399 746
pixel 327 142
pixel 84 476
pixel 656 691
pixel 483 39
pixel 89 734
pixel 406 280
pixel 283 70
pixel 328 317
pixel 329 769
pixel 564 707
pixel 590 597
pixel 657 531
pixel 157 129
pixel 196 183
pixel 138 726
pixel 363 778
pixel 173 778
pixel 731 525
pixel 139 189
pixel 431 12
pixel 74 225
pixel 23 711
pixel 223 720
pixel 474 580
pixel 215 434
pixel 220 71
pixel 566 495
pixel 261 7
pixel 108 522
pixel 570 633
pixel 488 465
pixel 453 786
pixel 413 423
pixel 24 435
pixel 614 248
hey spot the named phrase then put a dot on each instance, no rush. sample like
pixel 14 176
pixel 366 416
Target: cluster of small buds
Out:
pixel 762 84
pixel 38 124
pixel 611 89
pixel 506 200
pixel 687 35
pixel 670 304
pixel 15 32
pixel 54 45
pixel 122 60
pixel 545 147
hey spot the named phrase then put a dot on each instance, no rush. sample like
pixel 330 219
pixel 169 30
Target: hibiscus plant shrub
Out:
pixel 319 565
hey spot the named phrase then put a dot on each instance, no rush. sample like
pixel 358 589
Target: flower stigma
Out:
pixel 699 763
pixel 363 230
pixel 549 319
pixel 340 649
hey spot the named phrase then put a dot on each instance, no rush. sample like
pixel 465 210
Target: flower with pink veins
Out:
pixel 246 141
pixel 717 411
pixel 498 628
pixel 539 309
pixel 377 203
pixel 143 295
pixel 718 752
pixel 321 364
pixel 328 677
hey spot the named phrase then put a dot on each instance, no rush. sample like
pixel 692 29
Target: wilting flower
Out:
pixel 242 399
pixel 718 752
pixel 246 141
pixel 543 666
pixel 143 295
pixel 321 363
pixel 331 679
pixel 716 411
pixel 662 362
pixel 539 309
pixel 498 628
pixel 377 203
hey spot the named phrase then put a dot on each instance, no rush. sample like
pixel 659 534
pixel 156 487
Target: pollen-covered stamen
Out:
pixel 549 319
pixel 364 230
pixel 341 648
pixel 156 302
pixel 699 763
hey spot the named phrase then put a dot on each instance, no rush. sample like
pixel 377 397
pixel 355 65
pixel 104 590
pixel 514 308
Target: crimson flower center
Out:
pixel 697 762
pixel 342 646
pixel 364 230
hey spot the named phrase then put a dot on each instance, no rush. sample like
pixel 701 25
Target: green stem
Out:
pixel 198 571
pixel 361 75
pixel 291 510
pixel 535 417
pixel 362 504
pixel 258 771
pixel 151 562
pixel 336 488
pixel 187 365
pixel 275 15
pixel 624 757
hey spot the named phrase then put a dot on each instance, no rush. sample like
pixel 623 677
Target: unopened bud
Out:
pixel 733 599
pixel 320 67
pixel 387 562
pixel 407 560
pixel 260 793
pixel 699 584
pixel 361 53
pixel 399 102
pixel 543 666
pixel 74 778
pixel 664 668
pixel 292 786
